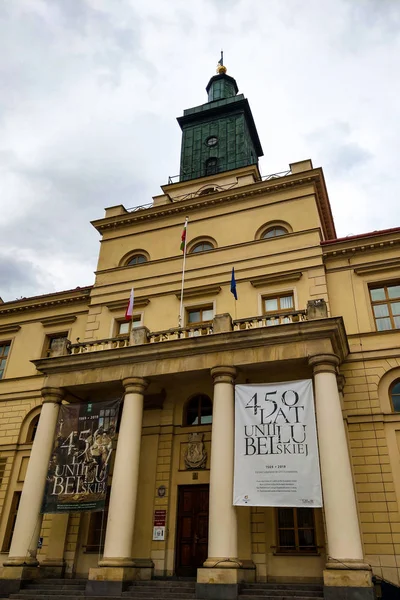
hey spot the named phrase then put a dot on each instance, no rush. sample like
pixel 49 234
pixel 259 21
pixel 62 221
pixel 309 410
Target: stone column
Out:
pixel 345 567
pixel 222 565
pixel 28 524
pixel 117 564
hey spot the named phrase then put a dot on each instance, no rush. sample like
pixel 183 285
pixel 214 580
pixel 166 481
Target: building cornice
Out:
pixel 76 296
pixel 360 245
pixel 312 177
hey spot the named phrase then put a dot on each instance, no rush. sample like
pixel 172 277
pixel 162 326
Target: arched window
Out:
pixel 274 232
pixel 211 166
pixel 198 411
pixel 395 395
pixel 202 247
pixel 137 259
pixel 33 425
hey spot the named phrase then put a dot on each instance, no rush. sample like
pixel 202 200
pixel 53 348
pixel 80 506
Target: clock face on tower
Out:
pixel 212 141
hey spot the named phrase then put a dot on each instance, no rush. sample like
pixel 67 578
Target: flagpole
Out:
pixel 180 321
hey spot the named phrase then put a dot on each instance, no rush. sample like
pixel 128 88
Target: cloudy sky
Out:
pixel 89 92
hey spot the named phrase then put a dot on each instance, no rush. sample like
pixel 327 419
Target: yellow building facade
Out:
pixel 309 305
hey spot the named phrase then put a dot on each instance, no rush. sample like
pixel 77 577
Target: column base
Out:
pixel 11 577
pixel 222 583
pixel 52 568
pixel 111 578
pixel 348 581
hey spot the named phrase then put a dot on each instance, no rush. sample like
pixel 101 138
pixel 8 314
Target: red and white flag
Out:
pixel 129 308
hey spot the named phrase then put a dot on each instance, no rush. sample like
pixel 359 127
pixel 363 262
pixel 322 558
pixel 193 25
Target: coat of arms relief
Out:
pixel 196 454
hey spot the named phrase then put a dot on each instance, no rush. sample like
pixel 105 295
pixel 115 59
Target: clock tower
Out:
pixel 220 135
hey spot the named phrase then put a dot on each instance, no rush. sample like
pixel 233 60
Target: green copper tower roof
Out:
pixel 220 135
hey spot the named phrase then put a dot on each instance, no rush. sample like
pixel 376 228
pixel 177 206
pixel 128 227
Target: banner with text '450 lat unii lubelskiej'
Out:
pixel 80 461
pixel 276 447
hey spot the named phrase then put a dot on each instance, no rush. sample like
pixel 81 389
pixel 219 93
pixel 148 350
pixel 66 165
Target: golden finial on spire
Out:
pixel 221 69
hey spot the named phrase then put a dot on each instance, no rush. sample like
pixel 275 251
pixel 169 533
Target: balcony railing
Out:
pixel 220 324
pixel 269 320
pixel 177 333
pixel 96 345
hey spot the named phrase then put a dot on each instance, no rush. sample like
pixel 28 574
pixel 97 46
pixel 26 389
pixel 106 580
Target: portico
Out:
pixel 308 348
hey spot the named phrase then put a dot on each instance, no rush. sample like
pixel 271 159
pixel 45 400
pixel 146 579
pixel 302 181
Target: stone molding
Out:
pixel 223 374
pixel 264 280
pixel 52 394
pixel 58 320
pixel 324 363
pixel 119 305
pixel 134 385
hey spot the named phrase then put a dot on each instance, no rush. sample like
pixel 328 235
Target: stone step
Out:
pixel 173 593
pixel 47 588
pixel 282 596
pixel 279 586
pixel 164 583
pixel 296 591
pixel 41 595
pixel 51 581
pixel 49 591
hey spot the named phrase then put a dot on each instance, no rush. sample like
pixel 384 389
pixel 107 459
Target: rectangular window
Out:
pixel 386 306
pixel 124 327
pixel 201 314
pixel 3 463
pixel 4 350
pixel 11 521
pixel 54 344
pixel 97 528
pixel 275 307
pixel 296 530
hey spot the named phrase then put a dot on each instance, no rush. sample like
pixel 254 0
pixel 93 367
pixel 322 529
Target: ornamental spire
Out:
pixel 221 69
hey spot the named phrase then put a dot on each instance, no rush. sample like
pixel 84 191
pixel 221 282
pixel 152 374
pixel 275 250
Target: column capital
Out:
pixel 135 385
pixel 52 394
pixel 224 374
pixel 324 363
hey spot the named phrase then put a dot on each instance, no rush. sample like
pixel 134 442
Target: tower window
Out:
pixel 212 140
pixel 137 259
pixel 211 166
pixel 274 232
pixel 202 247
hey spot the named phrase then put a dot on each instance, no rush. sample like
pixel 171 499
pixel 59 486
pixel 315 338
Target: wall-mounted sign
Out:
pixel 159 522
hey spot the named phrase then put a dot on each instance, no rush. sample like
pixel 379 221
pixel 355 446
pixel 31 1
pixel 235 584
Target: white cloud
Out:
pixel 89 92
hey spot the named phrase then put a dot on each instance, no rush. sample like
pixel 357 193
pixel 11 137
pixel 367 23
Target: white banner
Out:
pixel 276 449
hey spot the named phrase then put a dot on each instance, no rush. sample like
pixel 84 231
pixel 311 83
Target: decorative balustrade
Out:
pixel 269 320
pixel 192 331
pixel 177 333
pixel 96 345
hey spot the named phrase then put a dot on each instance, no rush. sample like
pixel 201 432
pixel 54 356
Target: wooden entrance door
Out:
pixel 192 531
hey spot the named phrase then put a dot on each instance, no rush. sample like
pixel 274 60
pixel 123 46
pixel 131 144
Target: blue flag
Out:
pixel 233 284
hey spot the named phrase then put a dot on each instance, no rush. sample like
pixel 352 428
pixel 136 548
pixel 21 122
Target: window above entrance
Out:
pixel 198 411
